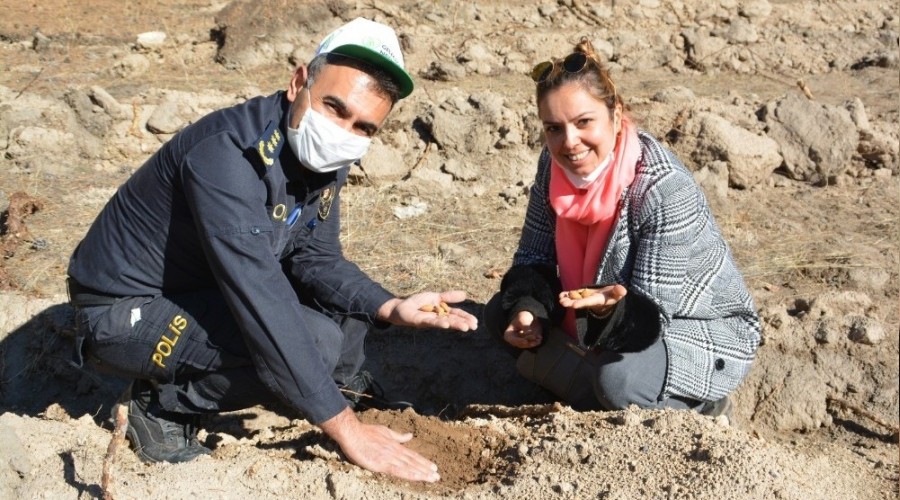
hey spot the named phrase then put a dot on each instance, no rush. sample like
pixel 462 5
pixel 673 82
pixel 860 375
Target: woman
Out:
pixel 622 290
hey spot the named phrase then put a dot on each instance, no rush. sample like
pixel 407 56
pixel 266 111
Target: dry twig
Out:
pixel 805 89
pixel 135 129
pixel 121 425
pixel 581 9
pixel 38 75
pixel 420 160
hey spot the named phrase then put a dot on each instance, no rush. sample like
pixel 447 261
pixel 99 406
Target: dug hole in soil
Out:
pixel 785 111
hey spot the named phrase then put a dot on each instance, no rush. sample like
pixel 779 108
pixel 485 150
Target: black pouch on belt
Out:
pixel 82 296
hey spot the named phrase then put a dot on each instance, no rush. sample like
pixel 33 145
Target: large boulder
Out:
pixel 751 158
pixel 817 140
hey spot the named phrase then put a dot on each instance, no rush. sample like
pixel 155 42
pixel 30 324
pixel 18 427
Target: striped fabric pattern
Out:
pixel 667 246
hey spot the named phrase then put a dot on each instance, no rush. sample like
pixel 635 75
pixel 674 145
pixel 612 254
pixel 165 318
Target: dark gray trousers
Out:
pixel 192 348
pixel 590 380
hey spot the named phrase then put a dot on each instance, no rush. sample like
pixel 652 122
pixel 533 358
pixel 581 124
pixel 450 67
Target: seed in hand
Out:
pixel 441 309
pixel 581 293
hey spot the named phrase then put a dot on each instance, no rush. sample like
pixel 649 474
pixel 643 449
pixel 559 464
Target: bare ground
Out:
pixel 816 418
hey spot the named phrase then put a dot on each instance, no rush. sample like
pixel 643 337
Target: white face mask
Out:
pixel 323 146
pixel 584 182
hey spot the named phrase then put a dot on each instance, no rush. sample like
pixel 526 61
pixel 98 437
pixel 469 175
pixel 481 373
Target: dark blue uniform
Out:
pixel 222 252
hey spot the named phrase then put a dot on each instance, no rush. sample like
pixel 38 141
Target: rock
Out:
pixel 514 194
pixel 40 42
pixel 444 72
pixel 476 56
pixel 866 330
pixel 239 24
pixel 755 10
pixel 165 119
pixel 91 116
pixel 751 158
pixel 131 66
pixel 151 39
pixel 459 170
pixel 644 51
pixel 429 176
pixel 453 252
pixel 741 31
pixel 35 147
pixel 448 129
pixel 858 114
pixel 713 178
pixel 674 95
pixel 817 140
pixel 411 208
pixel 548 9
pixel 383 163
pixel 490 104
pixel 107 102
pixel 703 48
pixel 469 125
pixel 829 331
pixel 839 304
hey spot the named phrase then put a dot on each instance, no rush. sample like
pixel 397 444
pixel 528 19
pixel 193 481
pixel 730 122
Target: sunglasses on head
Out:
pixel 573 63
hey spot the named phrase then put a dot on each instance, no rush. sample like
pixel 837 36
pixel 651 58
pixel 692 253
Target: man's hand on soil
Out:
pixel 378 448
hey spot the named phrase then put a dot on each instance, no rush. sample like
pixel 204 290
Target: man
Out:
pixel 215 277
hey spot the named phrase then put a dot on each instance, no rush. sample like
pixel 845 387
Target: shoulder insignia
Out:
pixel 325 203
pixel 269 144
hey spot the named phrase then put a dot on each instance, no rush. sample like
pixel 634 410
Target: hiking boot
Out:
pixel 363 393
pixel 715 408
pixel 155 434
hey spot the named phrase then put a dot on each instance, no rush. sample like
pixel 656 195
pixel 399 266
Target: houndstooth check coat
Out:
pixel 667 246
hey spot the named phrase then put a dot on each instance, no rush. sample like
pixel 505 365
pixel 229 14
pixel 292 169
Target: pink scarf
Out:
pixel 585 218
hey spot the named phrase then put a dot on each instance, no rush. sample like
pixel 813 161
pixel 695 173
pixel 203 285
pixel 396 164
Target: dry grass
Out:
pixel 405 254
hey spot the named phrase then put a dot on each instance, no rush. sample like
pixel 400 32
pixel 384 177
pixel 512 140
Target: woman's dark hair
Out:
pixel 383 84
pixel 592 75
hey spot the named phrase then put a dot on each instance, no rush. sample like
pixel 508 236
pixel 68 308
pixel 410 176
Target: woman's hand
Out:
pixel 599 301
pixel 524 331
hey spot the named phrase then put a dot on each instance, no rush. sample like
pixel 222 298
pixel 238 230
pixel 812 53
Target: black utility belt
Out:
pixel 82 296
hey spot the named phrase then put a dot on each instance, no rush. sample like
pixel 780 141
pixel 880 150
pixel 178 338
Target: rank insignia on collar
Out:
pixel 269 144
pixel 325 202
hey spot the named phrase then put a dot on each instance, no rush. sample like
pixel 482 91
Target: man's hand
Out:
pixel 378 448
pixel 407 312
pixel 600 301
pixel 523 331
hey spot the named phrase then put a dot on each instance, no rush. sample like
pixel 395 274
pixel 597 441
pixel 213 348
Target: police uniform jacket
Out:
pixel 665 247
pixel 225 205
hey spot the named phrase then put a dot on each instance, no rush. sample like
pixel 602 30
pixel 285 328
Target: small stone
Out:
pixel 151 39
pixel 866 331
pixel 413 208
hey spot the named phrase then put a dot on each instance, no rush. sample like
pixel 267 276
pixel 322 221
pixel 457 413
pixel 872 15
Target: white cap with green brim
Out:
pixel 371 42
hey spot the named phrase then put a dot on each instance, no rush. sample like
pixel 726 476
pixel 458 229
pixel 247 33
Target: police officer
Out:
pixel 215 278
